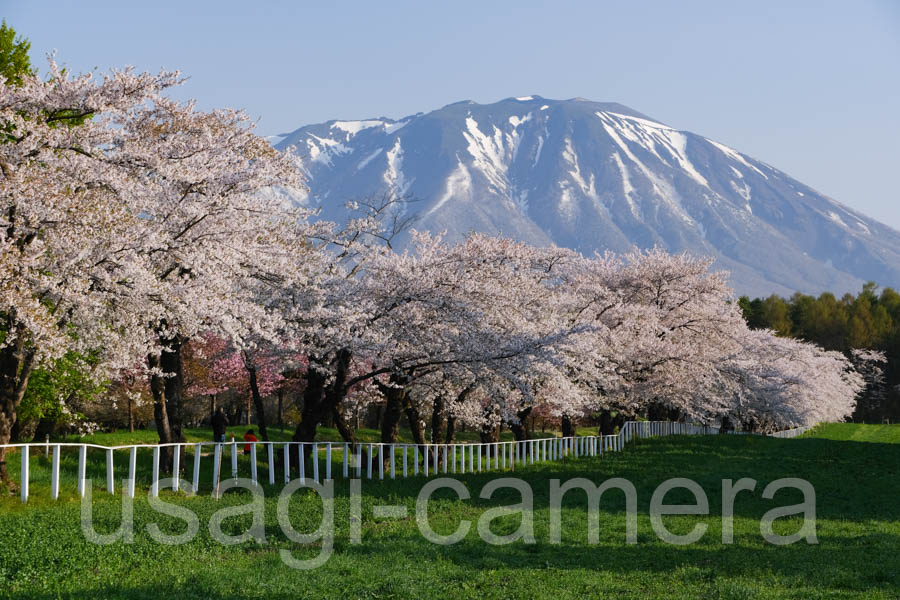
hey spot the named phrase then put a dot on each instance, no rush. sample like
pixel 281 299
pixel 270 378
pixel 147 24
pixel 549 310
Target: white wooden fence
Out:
pixel 332 459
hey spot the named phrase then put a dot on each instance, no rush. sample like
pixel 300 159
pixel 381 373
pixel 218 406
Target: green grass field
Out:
pixel 855 471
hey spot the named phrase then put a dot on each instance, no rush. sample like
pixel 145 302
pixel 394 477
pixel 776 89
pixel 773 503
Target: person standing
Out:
pixel 219 425
pixel 249 437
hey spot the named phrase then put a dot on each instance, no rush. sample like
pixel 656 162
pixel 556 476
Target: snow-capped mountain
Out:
pixel 596 176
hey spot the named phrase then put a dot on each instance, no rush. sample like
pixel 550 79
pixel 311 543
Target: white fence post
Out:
pixel 234 458
pixel 176 467
pixel 24 468
pixel 302 461
pixel 253 465
pixel 132 471
pixel 82 469
pixel 328 461
pixel 346 466
pixel 270 450
pixel 154 485
pixel 54 472
pixel 196 479
pixel 110 481
pixel 315 459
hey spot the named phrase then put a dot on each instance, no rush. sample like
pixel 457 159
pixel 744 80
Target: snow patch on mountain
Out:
pixel 394 177
pixel 369 158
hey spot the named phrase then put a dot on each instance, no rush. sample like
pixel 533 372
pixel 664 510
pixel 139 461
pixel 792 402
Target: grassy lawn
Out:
pixel 855 471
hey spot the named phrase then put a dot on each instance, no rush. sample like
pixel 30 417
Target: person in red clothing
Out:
pixel 249 437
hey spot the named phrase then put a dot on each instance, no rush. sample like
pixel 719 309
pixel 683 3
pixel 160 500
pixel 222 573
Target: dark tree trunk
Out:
pixel 657 412
pixel 568 427
pixel 212 407
pixel 416 426
pixel 171 363
pixel 130 414
pixel 313 401
pixel 348 434
pixel 160 412
pixel 319 400
pixel 437 419
pixel 451 417
pixel 490 431
pixel 15 434
pixel 438 423
pixel 44 429
pixel 16 364
pixel 520 429
pixel 257 400
pixel 606 426
pixel 451 429
pixel 618 421
pixel 373 416
pixel 395 401
pixel 281 408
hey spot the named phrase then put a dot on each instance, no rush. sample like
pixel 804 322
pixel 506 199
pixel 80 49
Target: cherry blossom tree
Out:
pixel 212 238
pixel 68 233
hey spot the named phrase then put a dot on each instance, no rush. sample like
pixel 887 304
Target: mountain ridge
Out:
pixel 597 176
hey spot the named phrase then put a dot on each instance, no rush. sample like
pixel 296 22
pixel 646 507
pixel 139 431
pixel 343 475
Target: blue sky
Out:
pixel 812 88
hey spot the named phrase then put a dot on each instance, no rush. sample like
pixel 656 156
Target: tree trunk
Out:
pixel 130 414
pixel 319 400
pixel 16 365
pixel 416 426
pixel 451 416
pixel 451 429
pixel 606 427
pixel 348 434
pixel 437 419
pixel 395 401
pixel 657 412
pixel 257 400
pixel 313 402
pixel 212 407
pixel 160 412
pixel 281 409
pixel 45 428
pixel 520 430
pixel 568 427
pixel 726 425
pixel 15 433
pixel 171 364
pixel 618 421
pixel 490 431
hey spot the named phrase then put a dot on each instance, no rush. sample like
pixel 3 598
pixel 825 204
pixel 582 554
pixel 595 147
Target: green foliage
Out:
pixel 14 61
pixel 870 320
pixel 45 555
pixel 54 390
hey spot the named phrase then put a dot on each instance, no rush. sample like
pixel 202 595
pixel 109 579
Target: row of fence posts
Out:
pixel 427 459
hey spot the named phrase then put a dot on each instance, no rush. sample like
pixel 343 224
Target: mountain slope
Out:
pixel 596 176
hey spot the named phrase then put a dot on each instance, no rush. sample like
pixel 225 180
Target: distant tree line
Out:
pixel 868 321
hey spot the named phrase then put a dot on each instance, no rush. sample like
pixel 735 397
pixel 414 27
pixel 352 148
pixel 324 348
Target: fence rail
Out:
pixel 326 460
